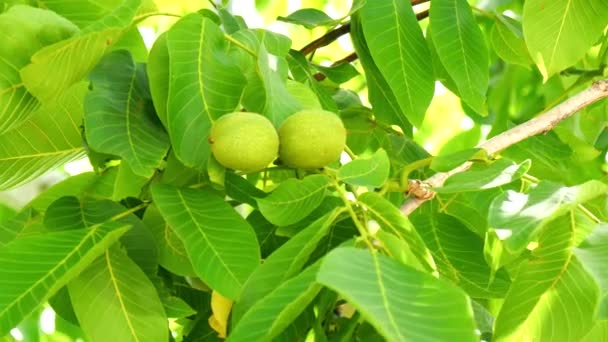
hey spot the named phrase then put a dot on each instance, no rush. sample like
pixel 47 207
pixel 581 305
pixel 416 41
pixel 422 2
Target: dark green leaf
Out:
pixel 309 18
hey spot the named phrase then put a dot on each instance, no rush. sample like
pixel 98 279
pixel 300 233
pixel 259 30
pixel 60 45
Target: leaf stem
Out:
pixel 240 45
pixel 349 208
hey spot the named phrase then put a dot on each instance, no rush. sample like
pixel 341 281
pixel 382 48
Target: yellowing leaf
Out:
pixel 220 306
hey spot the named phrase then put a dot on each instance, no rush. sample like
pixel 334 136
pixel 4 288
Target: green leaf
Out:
pixel 384 102
pixel 294 199
pixel 559 33
pixel 172 253
pixel 306 97
pixel 593 254
pixel 462 50
pixel 283 263
pixel 127 184
pixel 309 18
pixel 517 217
pixel 16 226
pixel 340 73
pixel 117 116
pixel 272 314
pixel 399 50
pixel 301 69
pixel 59 257
pixel 48 140
pixel 508 41
pixel 552 295
pixel 25 30
pixel 458 253
pixel 157 70
pixel 203 84
pixel 69 61
pixel 479 177
pixel 372 172
pixel 447 162
pixel 203 220
pixel 391 220
pixel 86 12
pixel 240 189
pixel 391 296
pixel 115 301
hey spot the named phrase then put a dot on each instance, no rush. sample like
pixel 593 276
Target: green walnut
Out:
pixel 244 141
pixel 311 139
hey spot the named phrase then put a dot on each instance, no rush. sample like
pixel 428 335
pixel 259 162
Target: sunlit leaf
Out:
pixel 59 257
pixel 371 172
pixel 204 84
pixel 508 41
pixel 48 140
pixel 294 199
pixel 115 301
pixel 25 30
pixel 593 254
pixel 558 33
pixel 392 296
pixel 479 177
pixel 203 221
pixel 309 18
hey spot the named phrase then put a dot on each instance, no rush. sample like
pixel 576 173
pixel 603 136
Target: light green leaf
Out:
pixel 204 84
pixel 283 263
pixel 48 140
pixel 559 33
pixel 462 50
pixel 294 199
pixel 384 102
pixel 399 50
pixel 302 72
pixel 391 297
pixel 172 253
pixel 372 172
pixel 508 41
pixel 517 217
pixel 117 116
pixel 86 12
pixel 309 18
pixel 158 76
pixel 391 220
pixel 552 295
pixel 25 30
pixel 115 301
pixel 203 221
pixel 458 253
pixel 340 73
pixel 593 254
pixel 479 177
pixel 273 313
pixel 35 277
pixel 446 162
pixel 305 96
pixel 16 226
pixel 69 61
pixel 127 183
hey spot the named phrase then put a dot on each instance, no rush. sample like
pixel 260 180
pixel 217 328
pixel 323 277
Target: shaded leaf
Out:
pixel 508 41
pixel 117 117
pixel 446 162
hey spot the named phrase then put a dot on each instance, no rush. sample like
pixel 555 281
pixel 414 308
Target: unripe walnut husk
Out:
pixel 311 139
pixel 244 141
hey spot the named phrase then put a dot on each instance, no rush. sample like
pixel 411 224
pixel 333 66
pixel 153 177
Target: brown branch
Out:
pixel 325 39
pixel 418 2
pixel 350 58
pixel 422 15
pixel 540 124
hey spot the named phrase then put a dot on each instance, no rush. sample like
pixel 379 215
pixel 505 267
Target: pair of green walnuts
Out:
pixel 308 139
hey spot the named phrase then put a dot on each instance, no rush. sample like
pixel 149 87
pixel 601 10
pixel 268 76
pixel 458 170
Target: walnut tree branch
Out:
pixel 540 124
pixel 326 39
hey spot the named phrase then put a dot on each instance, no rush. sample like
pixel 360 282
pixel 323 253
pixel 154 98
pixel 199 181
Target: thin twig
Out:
pixel 418 2
pixel 325 39
pixel 540 124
